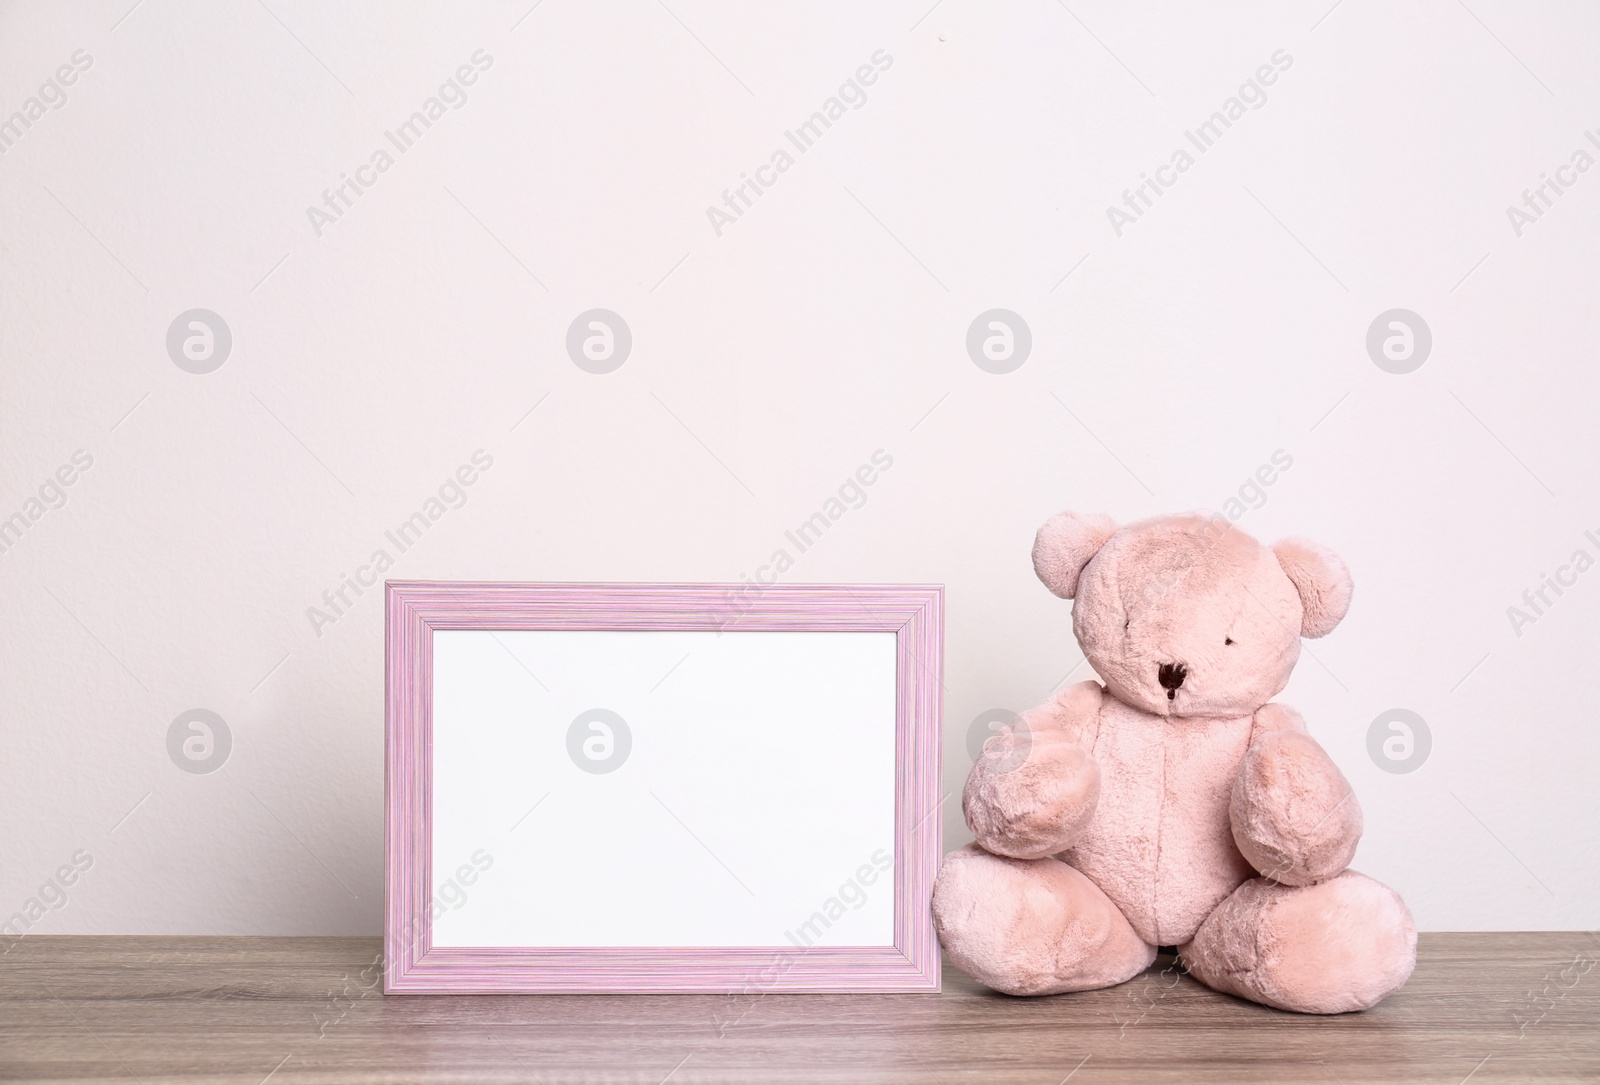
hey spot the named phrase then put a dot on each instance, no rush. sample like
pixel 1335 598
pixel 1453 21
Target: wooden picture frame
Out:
pixel 799 729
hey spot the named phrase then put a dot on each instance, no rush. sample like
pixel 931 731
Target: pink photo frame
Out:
pixel 416 609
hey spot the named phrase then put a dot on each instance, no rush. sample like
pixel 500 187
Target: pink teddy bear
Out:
pixel 1175 805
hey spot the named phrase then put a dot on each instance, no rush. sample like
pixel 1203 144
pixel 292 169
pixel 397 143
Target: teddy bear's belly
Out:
pixel 1159 844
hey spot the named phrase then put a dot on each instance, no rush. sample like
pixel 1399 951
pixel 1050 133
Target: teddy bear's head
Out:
pixel 1188 615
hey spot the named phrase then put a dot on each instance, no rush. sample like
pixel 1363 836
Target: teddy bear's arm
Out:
pixel 1294 816
pixel 1036 785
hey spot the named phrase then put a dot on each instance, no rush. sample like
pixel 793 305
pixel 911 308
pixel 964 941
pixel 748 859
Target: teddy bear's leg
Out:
pixel 1340 945
pixel 1032 926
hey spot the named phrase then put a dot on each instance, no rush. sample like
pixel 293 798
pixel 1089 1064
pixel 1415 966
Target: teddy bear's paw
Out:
pixel 1032 926
pixel 1294 816
pixel 1340 945
pixel 1031 793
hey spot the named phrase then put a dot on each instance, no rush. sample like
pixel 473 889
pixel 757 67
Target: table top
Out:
pixel 1485 1007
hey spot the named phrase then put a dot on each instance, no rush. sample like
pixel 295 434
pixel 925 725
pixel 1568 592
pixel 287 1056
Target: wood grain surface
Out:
pixel 1481 1007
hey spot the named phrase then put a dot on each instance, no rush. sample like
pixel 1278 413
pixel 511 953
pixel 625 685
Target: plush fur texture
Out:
pixel 1064 546
pixel 1339 945
pixel 1175 805
pixel 1034 926
pixel 1322 580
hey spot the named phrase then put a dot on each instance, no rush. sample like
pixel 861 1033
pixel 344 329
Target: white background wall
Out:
pixel 768 363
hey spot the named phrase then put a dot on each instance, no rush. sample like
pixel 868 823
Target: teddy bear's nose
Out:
pixel 1171 676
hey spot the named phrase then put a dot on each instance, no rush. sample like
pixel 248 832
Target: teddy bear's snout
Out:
pixel 1171 676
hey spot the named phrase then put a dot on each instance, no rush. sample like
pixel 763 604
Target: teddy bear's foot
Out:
pixel 1343 944
pixel 1032 926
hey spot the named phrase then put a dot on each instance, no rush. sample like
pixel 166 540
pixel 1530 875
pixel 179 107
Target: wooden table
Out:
pixel 1481 1007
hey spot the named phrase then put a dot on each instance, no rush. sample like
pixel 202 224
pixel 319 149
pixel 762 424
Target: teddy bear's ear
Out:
pixel 1064 546
pixel 1322 580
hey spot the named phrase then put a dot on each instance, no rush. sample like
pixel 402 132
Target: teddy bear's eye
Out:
pixel 1227 640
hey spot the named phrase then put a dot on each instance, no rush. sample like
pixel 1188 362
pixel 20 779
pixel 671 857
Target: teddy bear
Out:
pixel 1176 804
